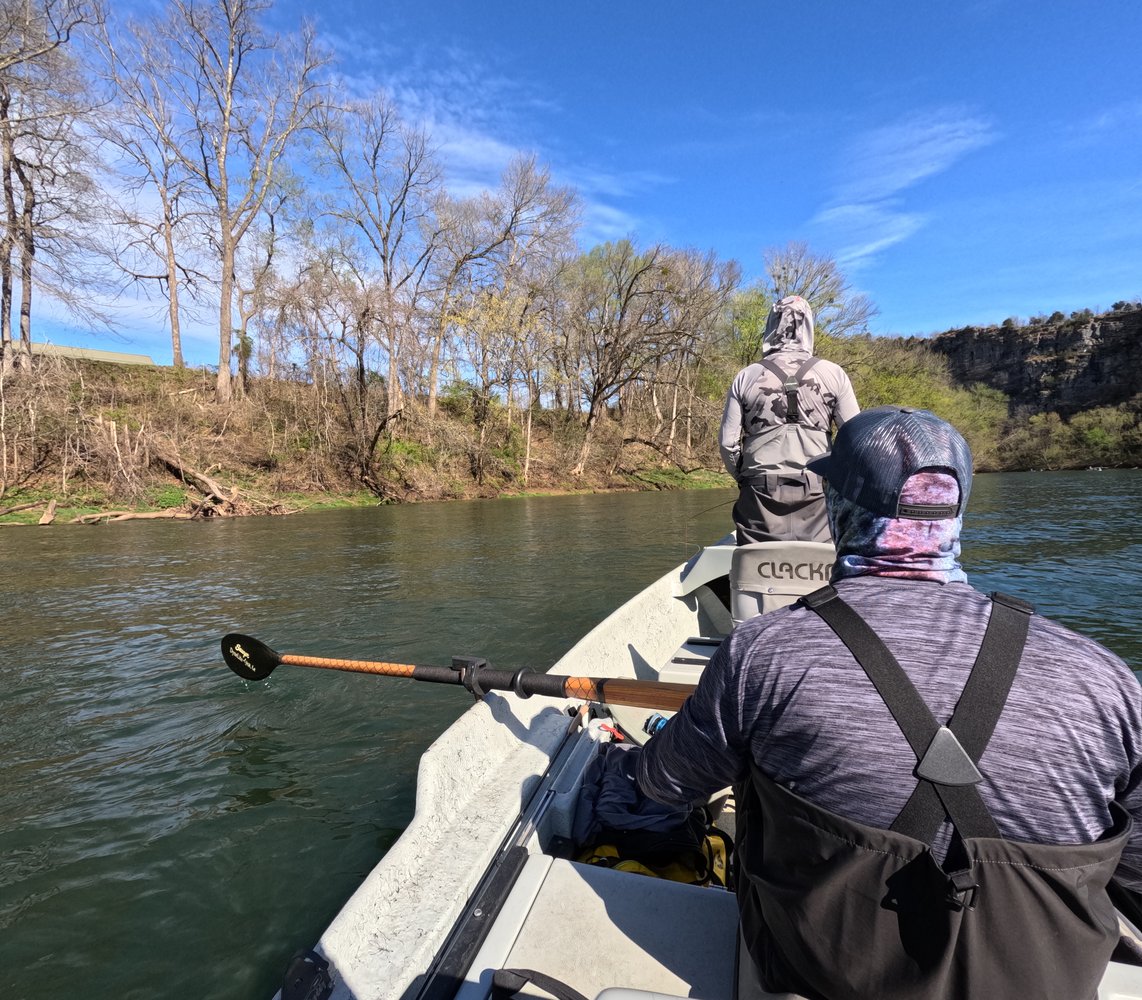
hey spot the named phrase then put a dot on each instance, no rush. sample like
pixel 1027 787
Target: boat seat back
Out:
pixel 765 576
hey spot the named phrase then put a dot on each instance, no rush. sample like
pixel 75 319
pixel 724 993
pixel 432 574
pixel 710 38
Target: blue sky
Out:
pixel 965 162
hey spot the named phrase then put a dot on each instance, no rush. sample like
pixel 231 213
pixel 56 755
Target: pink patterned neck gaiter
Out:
pixel 871 545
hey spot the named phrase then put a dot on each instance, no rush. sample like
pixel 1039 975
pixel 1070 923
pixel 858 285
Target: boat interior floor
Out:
pixel 594 929
pixel 618 935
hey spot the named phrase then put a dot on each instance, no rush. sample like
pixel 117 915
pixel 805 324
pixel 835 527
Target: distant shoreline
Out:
pixel 31 512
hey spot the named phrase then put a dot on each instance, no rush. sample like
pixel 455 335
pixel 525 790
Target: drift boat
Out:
pixel 484 877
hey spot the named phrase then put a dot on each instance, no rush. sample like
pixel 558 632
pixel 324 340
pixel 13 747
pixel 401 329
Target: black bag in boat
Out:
pixel 616 825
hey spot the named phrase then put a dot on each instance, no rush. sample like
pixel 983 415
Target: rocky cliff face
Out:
pixel 1066 366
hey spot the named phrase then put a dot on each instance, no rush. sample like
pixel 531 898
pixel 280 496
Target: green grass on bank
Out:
pixel 676 479
pixel 68 509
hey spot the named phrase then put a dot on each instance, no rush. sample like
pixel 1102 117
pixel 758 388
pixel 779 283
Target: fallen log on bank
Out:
pixel 22 506
pixel 131 515
pixel 213 491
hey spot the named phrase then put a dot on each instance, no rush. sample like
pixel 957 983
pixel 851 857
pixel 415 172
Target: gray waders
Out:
pixel 834 910
pixel 784 505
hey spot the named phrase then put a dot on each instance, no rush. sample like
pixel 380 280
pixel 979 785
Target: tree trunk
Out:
pixel 585 450
pixel 434 367
pixel 27 257
pixel 438 343
pixel 172 290
pixel 673 424
pixel 527 447
pixel 7 241
pixel 225 317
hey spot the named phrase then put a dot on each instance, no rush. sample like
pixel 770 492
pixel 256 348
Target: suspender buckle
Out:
pixel 962 889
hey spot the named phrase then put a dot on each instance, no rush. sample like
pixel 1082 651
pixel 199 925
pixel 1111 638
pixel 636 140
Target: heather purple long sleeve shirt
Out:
pixel 785 691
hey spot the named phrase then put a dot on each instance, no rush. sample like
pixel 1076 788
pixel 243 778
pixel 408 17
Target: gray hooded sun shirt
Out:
pixel 755 437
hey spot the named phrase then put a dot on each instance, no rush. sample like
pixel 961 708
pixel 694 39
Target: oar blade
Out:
pixel 248 658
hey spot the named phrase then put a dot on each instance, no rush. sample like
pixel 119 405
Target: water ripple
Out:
pixel 151 802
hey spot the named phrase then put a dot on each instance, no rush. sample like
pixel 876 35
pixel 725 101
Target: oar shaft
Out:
pixel 607 690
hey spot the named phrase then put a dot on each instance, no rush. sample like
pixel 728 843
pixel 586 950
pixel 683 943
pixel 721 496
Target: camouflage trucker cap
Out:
pixel 879 450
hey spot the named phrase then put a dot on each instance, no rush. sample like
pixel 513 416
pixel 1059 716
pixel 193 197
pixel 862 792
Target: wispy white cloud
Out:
pixel 894 157
pixel 867 212
pixel 869 228
pixel 609 184
pixel 479 119
pixel 1111 123
pixel 1125 115
pixel 604 223
pixel 477 116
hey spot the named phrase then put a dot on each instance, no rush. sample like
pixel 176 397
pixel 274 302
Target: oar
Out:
pixel 254 661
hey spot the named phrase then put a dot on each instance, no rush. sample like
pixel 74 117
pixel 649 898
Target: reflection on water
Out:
pixel 1070 542
pixel 167 829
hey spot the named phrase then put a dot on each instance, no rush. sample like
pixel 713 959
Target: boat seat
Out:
pixel 765 576
pixel 690 659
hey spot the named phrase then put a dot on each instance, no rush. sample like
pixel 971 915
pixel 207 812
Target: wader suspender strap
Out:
pixel 979 707
pixel 791 383
pixel 946 755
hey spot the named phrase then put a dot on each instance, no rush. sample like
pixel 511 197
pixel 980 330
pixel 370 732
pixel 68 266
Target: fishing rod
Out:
pixel 254 661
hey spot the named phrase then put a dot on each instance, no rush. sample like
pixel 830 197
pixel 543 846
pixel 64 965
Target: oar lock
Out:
pixel 470 667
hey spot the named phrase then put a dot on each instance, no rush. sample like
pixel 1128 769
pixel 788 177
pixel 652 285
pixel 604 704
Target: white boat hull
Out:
pixel 472 885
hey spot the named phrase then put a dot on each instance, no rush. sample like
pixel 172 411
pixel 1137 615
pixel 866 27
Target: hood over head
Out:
pixel 789 326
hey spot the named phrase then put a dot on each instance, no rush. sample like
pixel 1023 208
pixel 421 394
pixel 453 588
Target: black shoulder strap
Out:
pixel 947 755
pixel 506 983
pixel 980 704
pixel 791 382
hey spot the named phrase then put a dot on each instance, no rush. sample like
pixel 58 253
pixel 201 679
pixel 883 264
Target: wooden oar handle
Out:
pixel 665 695
pixel 608 690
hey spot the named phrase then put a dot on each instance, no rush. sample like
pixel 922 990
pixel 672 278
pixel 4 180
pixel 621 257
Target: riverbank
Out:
pixel 89 442
pixel 92 442
pixel 25 507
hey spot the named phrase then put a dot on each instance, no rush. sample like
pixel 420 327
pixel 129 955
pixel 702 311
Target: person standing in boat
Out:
pixel 779 413
pixel 934 786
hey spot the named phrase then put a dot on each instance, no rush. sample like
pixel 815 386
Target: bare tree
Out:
pixel 536 349
pixel 498 317
pixel 333 304
pixel 527 211
pixel 837 308
pixel 628 310
pixel 31 30
pixel 42 158
pixel 255 273
pixel 143 129
pixel 388 180
pixel 243 97
pixel 700 293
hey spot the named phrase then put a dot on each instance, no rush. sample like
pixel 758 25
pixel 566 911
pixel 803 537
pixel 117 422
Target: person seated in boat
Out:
pixel 779 413
pixel 905 832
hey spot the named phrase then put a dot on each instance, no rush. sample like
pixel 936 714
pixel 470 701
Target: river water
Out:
pixel 167 830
